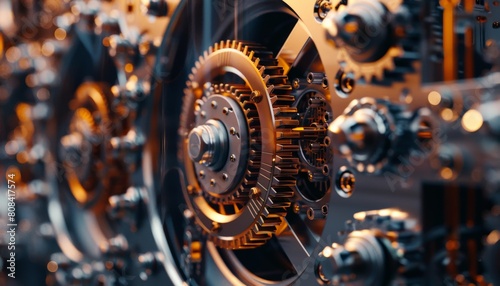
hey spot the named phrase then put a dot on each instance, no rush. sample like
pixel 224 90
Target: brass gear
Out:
pixel 261 199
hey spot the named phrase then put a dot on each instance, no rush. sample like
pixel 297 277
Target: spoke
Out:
pixel 291 50
pixel 297 242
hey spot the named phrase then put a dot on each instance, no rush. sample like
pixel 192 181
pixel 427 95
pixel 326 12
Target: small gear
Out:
pixel 367 34
pixel 268 166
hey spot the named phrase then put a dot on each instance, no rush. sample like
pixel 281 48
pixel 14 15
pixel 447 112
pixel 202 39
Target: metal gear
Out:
pixel 249 214
pixel 361 50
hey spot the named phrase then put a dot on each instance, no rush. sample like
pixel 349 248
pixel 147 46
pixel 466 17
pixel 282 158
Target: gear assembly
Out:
pixel 250 142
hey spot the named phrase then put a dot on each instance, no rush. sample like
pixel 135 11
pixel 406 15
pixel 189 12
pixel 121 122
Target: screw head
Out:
pixel 232 158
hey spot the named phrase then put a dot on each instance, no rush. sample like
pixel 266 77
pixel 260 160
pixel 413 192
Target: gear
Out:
pixel 367 34
pixel 246 214
pixel 83 149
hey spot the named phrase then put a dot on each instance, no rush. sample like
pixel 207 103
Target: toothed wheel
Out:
pixel 240 174
pixel 367 35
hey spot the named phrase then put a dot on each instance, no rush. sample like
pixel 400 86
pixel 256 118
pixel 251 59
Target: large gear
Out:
pixel 258 204
pixel 366 34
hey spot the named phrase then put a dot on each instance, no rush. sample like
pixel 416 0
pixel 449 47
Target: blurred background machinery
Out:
pixel 250 142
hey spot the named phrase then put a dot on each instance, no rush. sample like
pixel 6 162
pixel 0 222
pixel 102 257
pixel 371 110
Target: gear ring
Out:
pixel 382 60
pixel 83 149
pixel 267 197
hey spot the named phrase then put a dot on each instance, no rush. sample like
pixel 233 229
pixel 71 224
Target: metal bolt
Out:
pixel 313 214
pixel 324 84
pixel 225 177
pixel 225 111
pixel 346 183
pixel 212 182
pixel 232 158
pixel 256 96
pixel 324 210
pixel 296 83
pixel 202 174
pixel 213 104
pixel 232 131
pixel 496 25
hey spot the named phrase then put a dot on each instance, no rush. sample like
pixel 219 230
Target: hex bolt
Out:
pixel 232 158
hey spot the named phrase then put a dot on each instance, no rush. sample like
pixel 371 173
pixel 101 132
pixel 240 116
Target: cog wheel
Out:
pixel 246 212
pixel 368 34
pixel 83 149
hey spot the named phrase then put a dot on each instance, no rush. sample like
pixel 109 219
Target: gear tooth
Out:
pixel 206 53
pixel 245 50
pixel 368 77
pixel 250 55
pixel 234 44
pixel 262 70
pixel 256 62
pixel 379 75
pixel 229 44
